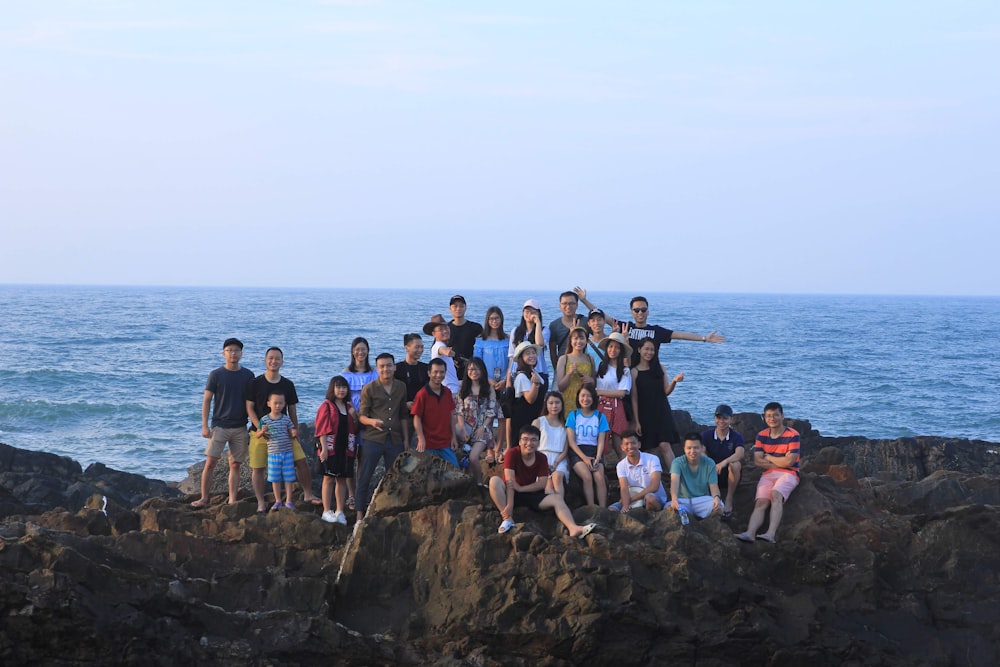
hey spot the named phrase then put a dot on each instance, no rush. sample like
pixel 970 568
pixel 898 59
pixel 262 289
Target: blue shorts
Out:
pixel 446 453
pixel 281 467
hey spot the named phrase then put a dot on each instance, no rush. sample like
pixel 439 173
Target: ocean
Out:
pixel 117 374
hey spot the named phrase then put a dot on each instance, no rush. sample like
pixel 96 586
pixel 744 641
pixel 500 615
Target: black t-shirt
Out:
pixel 463 339
pixel 637 334
pixel 259 389
pixel 413 376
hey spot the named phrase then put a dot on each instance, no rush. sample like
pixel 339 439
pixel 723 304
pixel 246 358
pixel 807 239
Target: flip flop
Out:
pixel 199 504
pixel 744 537
pixel 314 500
pixel 767 538
pixel 587 530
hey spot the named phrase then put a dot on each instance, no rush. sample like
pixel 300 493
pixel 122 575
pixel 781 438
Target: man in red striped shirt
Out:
pixel 777 453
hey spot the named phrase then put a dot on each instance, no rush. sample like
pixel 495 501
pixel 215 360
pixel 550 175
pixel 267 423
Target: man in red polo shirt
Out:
pixel 434 417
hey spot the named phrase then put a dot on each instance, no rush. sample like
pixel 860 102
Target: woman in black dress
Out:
pixel 650 405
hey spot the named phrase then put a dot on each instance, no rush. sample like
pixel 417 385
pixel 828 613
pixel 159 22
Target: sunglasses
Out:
pixel 640 310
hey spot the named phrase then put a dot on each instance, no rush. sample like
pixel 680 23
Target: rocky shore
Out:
pixel 889 554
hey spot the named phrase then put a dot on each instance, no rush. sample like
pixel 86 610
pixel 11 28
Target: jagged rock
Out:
pixel 890 567
pixel 37 481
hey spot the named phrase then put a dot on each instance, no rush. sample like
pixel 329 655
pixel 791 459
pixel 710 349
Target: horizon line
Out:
pixel 495 290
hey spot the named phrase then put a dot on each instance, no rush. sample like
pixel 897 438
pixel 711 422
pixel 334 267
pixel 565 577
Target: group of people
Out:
pixel 543 400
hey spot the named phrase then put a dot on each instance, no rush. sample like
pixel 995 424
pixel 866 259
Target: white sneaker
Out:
pixel 329 516
pixel 505 526
pixel 340 518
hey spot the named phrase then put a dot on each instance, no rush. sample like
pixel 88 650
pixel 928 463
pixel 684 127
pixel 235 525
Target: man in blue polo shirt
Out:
pixel 725 446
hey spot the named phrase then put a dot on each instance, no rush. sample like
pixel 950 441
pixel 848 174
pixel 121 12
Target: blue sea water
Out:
pixel 116 374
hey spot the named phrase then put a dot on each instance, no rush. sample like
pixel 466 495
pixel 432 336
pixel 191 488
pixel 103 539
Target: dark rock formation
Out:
pixel 888 555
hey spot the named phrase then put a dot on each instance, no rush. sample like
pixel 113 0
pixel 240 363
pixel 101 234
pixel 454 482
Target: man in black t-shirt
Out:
pixel 640 330
pixel 463 334
pixel 257 394
pixel 413 373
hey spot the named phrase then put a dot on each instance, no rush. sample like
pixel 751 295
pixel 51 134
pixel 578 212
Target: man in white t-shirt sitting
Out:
pixel 639 478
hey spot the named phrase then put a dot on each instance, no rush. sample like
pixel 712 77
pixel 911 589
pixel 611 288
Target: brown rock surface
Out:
pixel 888 555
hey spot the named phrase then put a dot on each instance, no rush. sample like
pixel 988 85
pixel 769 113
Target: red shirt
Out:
pixel 523 474
pixel 435 416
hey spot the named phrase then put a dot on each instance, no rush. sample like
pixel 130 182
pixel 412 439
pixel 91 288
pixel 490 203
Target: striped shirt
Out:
pixel 786 443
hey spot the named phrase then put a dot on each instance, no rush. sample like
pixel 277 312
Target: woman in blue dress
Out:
pixel 492 347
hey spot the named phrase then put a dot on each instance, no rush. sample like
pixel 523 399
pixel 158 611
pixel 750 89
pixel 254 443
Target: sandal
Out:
pixel 350 503
pixel 490 457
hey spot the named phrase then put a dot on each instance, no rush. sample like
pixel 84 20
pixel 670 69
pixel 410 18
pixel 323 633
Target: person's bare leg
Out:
pixel 327 491
pixel 475 468
pixel 206 480
pixel 757 518
pixel 559 484
pixel 258 479
pixel 667 452
pixel 583 471
pixel 602 486
pixel 304 476
pixel 341 493
pixel 563 513
pixel 777 509
pixel 234 480
pixel 734 480
pixel 498 492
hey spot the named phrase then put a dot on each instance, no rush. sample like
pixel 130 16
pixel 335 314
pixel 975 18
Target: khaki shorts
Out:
pixel 258 451
pixel 238 438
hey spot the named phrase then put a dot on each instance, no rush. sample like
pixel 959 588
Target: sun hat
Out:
pixel 618 338
pixel 433 324
pixel 522 347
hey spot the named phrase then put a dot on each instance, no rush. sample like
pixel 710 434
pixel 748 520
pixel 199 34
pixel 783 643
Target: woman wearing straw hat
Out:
pixel 614 382
pixel 529 388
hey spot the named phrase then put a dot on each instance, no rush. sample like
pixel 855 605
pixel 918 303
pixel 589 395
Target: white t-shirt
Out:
pixel 610 381
pixel 543 355
pixel 641 473
pixel 450 376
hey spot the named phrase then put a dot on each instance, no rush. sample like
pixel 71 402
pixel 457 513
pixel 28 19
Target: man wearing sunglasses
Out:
pixel 640 330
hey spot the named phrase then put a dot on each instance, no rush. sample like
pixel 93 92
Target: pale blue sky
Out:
pixel 643 146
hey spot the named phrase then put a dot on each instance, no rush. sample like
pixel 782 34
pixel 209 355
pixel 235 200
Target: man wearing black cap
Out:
pixel 463 334
pixel 725 446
